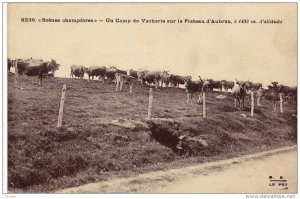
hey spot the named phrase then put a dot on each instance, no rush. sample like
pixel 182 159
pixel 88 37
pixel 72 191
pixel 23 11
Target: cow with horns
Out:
pixel 34 67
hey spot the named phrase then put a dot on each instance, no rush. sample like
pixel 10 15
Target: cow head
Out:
pixel 247 85
pixel 270 87
pixel 85 69
pixel 165 74
pixel 274 84
pixel 52 66
pixel 187 81
pixel 237 82
pixel 206 84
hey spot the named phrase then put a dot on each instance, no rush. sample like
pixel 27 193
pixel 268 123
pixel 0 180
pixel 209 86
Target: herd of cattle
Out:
pixel 239 89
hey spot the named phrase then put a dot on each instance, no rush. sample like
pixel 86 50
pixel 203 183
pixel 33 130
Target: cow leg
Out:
pixel 188 97
pixel 121 85
pixel 117 85
pixel 40 82
pixel 258 101
pixel 274 106
pixel 130 88
pixel 17 78
pixel 243 102
pixel 156 83
pixel 15 64
pixel 200 97
pixel 235 102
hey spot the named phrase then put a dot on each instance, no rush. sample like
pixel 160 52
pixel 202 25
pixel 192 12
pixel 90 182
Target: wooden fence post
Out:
pixel 204 105
pixel 281 101
pixel 61 106
pixel 252 103
pixel 150 102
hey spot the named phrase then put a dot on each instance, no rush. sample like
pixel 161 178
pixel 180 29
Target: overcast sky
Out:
pixel 256 52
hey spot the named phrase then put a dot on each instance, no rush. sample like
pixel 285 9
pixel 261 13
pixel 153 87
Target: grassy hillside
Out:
pixel 105 134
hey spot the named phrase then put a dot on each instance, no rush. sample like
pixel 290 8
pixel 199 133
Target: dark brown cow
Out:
pixel 9 64
pixel 111 71
pixel 34 67
pixel 176 80
pixel 214 85
pixel 98 71
pixel 227 85
pixel 272 94
pixel 133 73
pixel 198 86
pixel 288 92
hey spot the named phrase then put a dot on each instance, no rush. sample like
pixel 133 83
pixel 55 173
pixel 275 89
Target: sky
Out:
pixel 255 52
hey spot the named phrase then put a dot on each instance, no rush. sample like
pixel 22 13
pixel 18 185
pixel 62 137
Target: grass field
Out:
pixel 105 134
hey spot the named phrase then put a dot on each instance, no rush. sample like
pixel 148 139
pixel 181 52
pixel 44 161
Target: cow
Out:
pixel 227 85
pixel 259 94
pixel 133 73
pixel 165 78
pixel 198 86
pixel 176 80
pixel 293 93
pixel 98 71
pixel 111 71
pixel 122 78
pixel 214 85
pixel 141 74
pixel 9 64
pixel 152 77
pixel 273 94
pixel 34 67
pixel 252 86
pixel 239 92
pixel 287 91
pixel 77 71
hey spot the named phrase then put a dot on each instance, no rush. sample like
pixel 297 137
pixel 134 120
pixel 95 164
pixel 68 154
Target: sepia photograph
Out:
pixel 150 98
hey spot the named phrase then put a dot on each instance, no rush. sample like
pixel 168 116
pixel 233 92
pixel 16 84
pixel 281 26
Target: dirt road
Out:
pixel 247 174
pixel 250 176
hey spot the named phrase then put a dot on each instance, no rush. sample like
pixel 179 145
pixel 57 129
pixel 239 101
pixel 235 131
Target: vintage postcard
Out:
pixel 151 98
